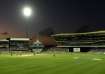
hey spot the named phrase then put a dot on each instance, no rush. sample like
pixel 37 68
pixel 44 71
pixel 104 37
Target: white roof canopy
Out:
pixel 20 39
pixel 3 40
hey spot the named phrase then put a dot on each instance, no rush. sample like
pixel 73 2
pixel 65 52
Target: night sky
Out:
pixel 60 15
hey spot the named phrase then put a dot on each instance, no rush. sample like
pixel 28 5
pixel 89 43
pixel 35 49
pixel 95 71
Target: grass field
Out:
pixel 66 63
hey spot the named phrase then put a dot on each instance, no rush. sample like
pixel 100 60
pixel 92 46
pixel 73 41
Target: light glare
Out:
pixel 27 11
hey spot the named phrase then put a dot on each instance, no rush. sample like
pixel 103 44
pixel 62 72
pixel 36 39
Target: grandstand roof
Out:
pixel 86 33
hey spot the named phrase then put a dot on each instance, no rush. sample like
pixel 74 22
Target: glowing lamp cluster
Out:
pixel 27 11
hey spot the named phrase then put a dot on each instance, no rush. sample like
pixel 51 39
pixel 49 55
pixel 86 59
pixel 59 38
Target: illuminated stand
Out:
pixel 37 47
pixel 18 44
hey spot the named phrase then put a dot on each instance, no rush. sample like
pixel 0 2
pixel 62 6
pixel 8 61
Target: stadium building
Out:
pixel 81 42
pixel 14 42
pixel 19 42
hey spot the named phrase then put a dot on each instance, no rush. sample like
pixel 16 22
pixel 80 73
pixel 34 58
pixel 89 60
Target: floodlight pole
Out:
pixel 9 45
pixel 27 29
pixel 27 12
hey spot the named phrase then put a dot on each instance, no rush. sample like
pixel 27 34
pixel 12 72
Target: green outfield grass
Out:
pixel 64 63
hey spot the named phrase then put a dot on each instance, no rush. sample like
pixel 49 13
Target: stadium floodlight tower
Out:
pixel 27 12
